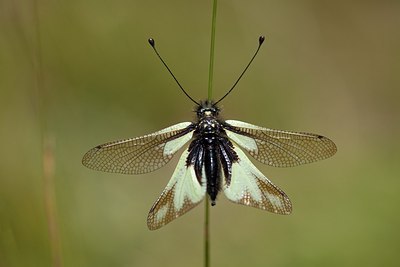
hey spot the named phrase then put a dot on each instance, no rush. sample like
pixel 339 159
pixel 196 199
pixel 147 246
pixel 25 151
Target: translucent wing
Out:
pixel 139 155
pixel 248 186
pixel 279 148
pixel 182 193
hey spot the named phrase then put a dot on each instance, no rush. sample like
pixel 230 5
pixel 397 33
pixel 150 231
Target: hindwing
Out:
pixel 248 186
pixel 182 193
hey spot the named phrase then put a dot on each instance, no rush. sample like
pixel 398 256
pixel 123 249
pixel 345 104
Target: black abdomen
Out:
pixel 212 167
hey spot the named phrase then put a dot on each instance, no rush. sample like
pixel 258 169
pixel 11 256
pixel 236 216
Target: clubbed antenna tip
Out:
pixel 153 43
pixel 260 40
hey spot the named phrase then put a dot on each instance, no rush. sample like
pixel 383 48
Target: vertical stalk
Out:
pixel 211 66
pixel 206 234
pixel 210 84
pixel 48 144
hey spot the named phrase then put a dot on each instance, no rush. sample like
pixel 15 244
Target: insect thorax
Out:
pixel 207 109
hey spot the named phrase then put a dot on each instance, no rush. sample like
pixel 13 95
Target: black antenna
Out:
pixel 153 44
pixel 261 39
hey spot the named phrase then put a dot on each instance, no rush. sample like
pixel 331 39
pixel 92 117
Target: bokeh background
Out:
pixel 75 74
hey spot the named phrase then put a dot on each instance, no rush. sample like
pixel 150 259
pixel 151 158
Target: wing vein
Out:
pixel 141 154
pixel 280 148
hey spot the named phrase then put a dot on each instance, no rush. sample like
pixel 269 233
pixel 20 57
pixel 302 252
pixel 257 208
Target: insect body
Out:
pixel 213 161
pixel 211 150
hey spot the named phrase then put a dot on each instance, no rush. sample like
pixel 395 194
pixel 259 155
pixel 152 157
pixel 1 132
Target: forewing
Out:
pixel 279 148
pixel 182 193
pixel 139 155
pixel 248 186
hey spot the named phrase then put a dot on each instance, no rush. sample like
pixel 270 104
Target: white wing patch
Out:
pixel 250 187
pixel 244 141
pixel 255 127
pixel 174 145
pixel 182 193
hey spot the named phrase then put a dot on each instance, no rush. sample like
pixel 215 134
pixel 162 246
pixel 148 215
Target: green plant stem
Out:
pixel 210 84
pixel 211 67
pixel 206 234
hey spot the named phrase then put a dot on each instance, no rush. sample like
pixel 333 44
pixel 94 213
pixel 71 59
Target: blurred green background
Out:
pixel 81 73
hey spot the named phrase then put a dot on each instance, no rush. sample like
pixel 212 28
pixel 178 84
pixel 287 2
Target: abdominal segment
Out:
pixel 210 156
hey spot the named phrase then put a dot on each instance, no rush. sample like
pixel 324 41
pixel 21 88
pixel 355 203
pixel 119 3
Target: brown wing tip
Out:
pixel 86 160
pixel 331 147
